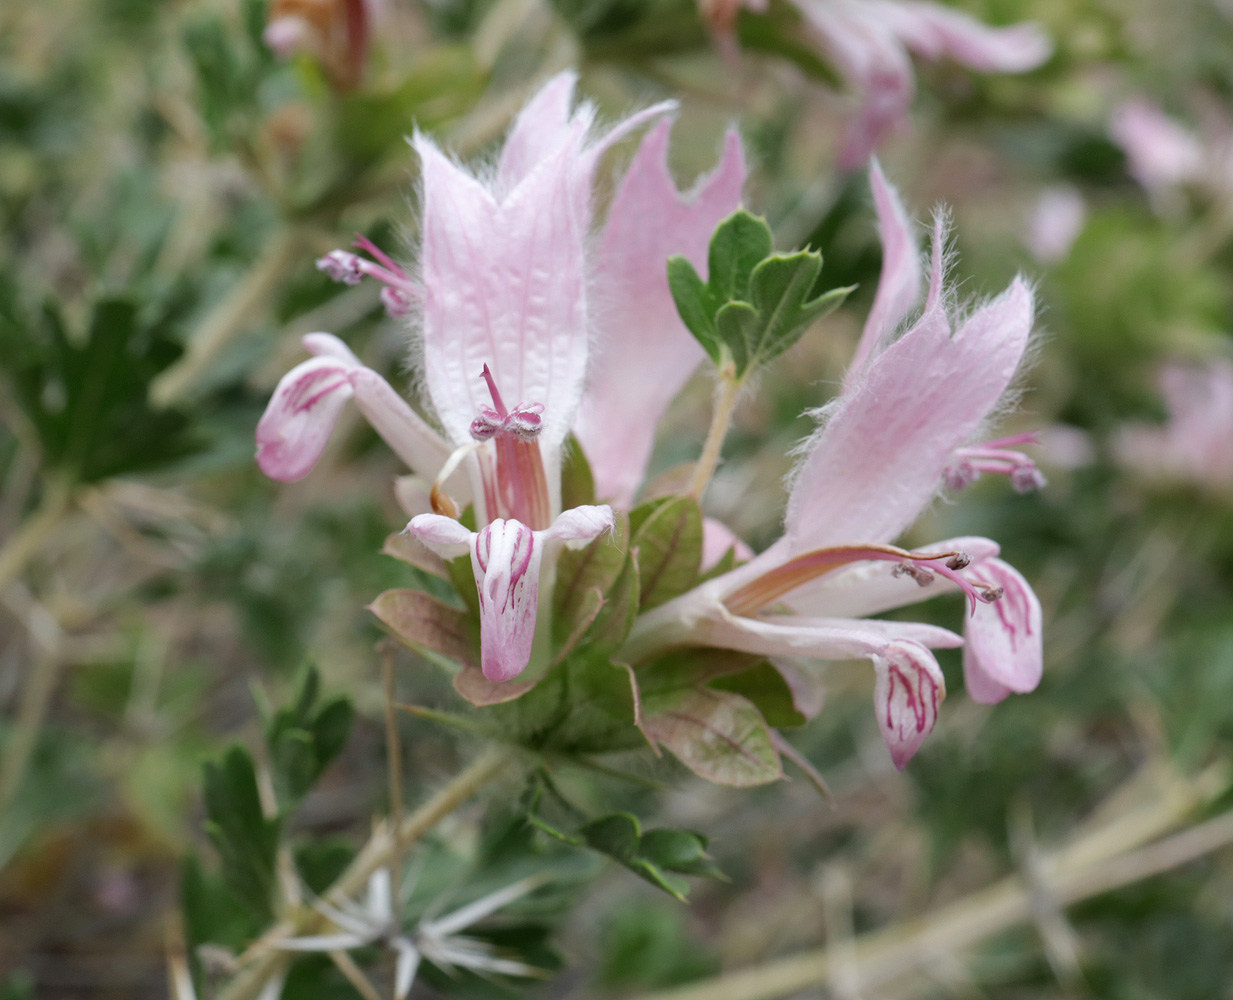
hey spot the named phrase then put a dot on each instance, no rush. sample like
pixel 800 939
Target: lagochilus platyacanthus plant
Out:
pixel 595 614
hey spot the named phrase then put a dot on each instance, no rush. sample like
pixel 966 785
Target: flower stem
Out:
pixel 726 391
pixel 377 853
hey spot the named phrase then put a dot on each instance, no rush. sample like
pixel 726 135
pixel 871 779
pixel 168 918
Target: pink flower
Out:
pixel 869 42
pixel 1056 222
pixel 505 324
pixel 1195 444
pixel 880 456
pixel 1160 152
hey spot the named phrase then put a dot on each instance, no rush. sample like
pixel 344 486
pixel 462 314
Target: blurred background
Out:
pixel 166 182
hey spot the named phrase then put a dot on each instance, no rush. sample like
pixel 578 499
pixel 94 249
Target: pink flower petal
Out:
pixel 877 462
pixel 1160 151
pixel 933 31
pixel 907 693
pixel 445 536
pixel 1004 652
pixel 300 417
pixel 505 557
pixel 645 354
pixel 900 283
pixel 580 526
pixel 542 125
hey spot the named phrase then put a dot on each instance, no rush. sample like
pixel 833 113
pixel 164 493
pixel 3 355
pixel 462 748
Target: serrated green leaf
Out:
pixel 668 543
pixel 246 840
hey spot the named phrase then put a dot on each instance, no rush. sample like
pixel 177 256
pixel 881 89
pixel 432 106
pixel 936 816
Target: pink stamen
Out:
pixel 996 457
pixel 399 292
pixel 379 255
pixel 519 487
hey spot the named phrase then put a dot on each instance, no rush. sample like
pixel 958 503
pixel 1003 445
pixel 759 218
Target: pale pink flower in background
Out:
pixel 520 316
pixel 1055 223
pixel 1195 444
pixel 878 459
pixel 871 43
pixel 1161 153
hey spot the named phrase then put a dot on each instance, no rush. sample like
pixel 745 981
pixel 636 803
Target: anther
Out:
pixel 920 574
pixel 990 594
pixel 958 561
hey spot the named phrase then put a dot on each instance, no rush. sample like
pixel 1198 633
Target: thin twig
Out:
pixel 355 975
pixel 393 750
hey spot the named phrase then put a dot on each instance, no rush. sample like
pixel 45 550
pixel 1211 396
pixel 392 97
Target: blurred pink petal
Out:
pixel 1160 152
pixel 1056 222
pixel 1195 444
pixel 644 354
pixel 933 31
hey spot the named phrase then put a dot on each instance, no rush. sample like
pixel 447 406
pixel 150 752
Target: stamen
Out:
pixel 996 457
pixel 920 574
pixel 442 502
pixel 400 291
pixel 518 488
pixel 920 566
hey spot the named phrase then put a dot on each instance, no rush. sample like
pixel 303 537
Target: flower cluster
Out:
pixel 532 329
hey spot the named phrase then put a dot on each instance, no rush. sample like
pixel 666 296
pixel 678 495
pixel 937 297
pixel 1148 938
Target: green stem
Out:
pixel 377 853
pixel 726 391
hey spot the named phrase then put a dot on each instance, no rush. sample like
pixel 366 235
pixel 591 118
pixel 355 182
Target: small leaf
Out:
pixel 246 841
pixel 718 735
pixel 695 304
pixel 668 543
pixel 739 243
pixel 471 683
pixel 582 572
pixel 766 689
pixel 422 622
pixel 304 737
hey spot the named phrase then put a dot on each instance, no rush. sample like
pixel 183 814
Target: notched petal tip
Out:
pixel 1004 651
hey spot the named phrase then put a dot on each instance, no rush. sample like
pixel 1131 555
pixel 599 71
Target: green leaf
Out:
pixel 718 735
pixel 246 841
pixel 305 737
pixel 740 242
pixel 695 305
pixel 766 689
pixel 581 573
pixel 87 399
pixel 668 547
